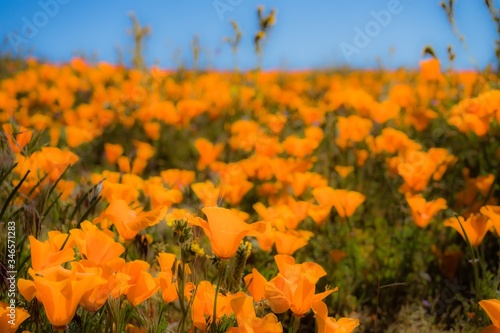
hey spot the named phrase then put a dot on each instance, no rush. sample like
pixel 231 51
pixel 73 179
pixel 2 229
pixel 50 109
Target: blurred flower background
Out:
pixel 307 35
pixel 234 166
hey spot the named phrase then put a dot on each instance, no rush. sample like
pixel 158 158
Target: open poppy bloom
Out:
pixel 60 292
pixel 329 324
pixel 203 305
pixel 129 222
pixel 287 242
pixel 492 308
pixel 225 230
pixel 95 245
pixel 7 325
pixel 345 202
pixel 423 211
pixel 493 213
pixel 255 284
pixel 141 285
pixel 248 322
pixel 208 152
pixel 294 287
pixel 47 254
pixel 475 227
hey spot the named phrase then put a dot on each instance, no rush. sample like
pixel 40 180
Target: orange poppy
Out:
pixel 493 213
pixel 48 254
pixel 166 276
pixel 291 240
pixel 492 308
pixel 208 152
pixel 430 69
pixel 225 230
pixel 60 292
pixel 112 152
pixel 345 202
pixel 11 317
pixel 329 324
pixel 294 287
pixel 475 227
pixel 129 222
pixel 203 305
pixel 423 211
pixel 248 322
pixel 255 284
pixel 95 245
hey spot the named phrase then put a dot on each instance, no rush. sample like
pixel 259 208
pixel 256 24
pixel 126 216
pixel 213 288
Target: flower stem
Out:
pixel 294 324
pixel 222 273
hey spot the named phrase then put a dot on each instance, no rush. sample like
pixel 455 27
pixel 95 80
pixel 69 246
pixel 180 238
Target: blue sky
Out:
pixel 307 34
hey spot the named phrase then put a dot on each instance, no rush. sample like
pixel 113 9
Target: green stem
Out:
pixel 12 194
pixel 474 260
pixel 222 273
pixel 294 324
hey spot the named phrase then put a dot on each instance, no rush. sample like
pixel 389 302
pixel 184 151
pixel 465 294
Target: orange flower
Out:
pixel 352 129
pixel 112 152
pixel 344 171
pixel 225 230
pixel 123 164
pixel 60 291
pixel 152 130
pixel 493 213
pixel 203 304
pixel 166 276
pixel 476 227
pixel 291 240
pixel 18 138
pixel 294 287
pixel 329 324
pixel 95 245
pixel 492 308
pixel 345 202
pixel 129 222
pixel 95 298
pixel 256 284
pixel 337 255
pixel 206 192
pixel 248 322
pixel 47 254
pixel 142 284
pixel 423 211
pixel 11 317
pixel 208 152
pixel 430 69
pixel 176 178
pixel 162 197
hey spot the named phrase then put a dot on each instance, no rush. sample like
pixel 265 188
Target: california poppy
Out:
pixel 208 152
pixel 243 308
pixel 7 325
pixel 492 308
pixel 294 287
pixel 329 324
pixel 423 211
pixel 225 230
pixel 493 213
pixel 475 227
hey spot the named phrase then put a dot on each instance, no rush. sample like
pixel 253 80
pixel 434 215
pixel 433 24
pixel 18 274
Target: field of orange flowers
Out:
pixel 173 201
